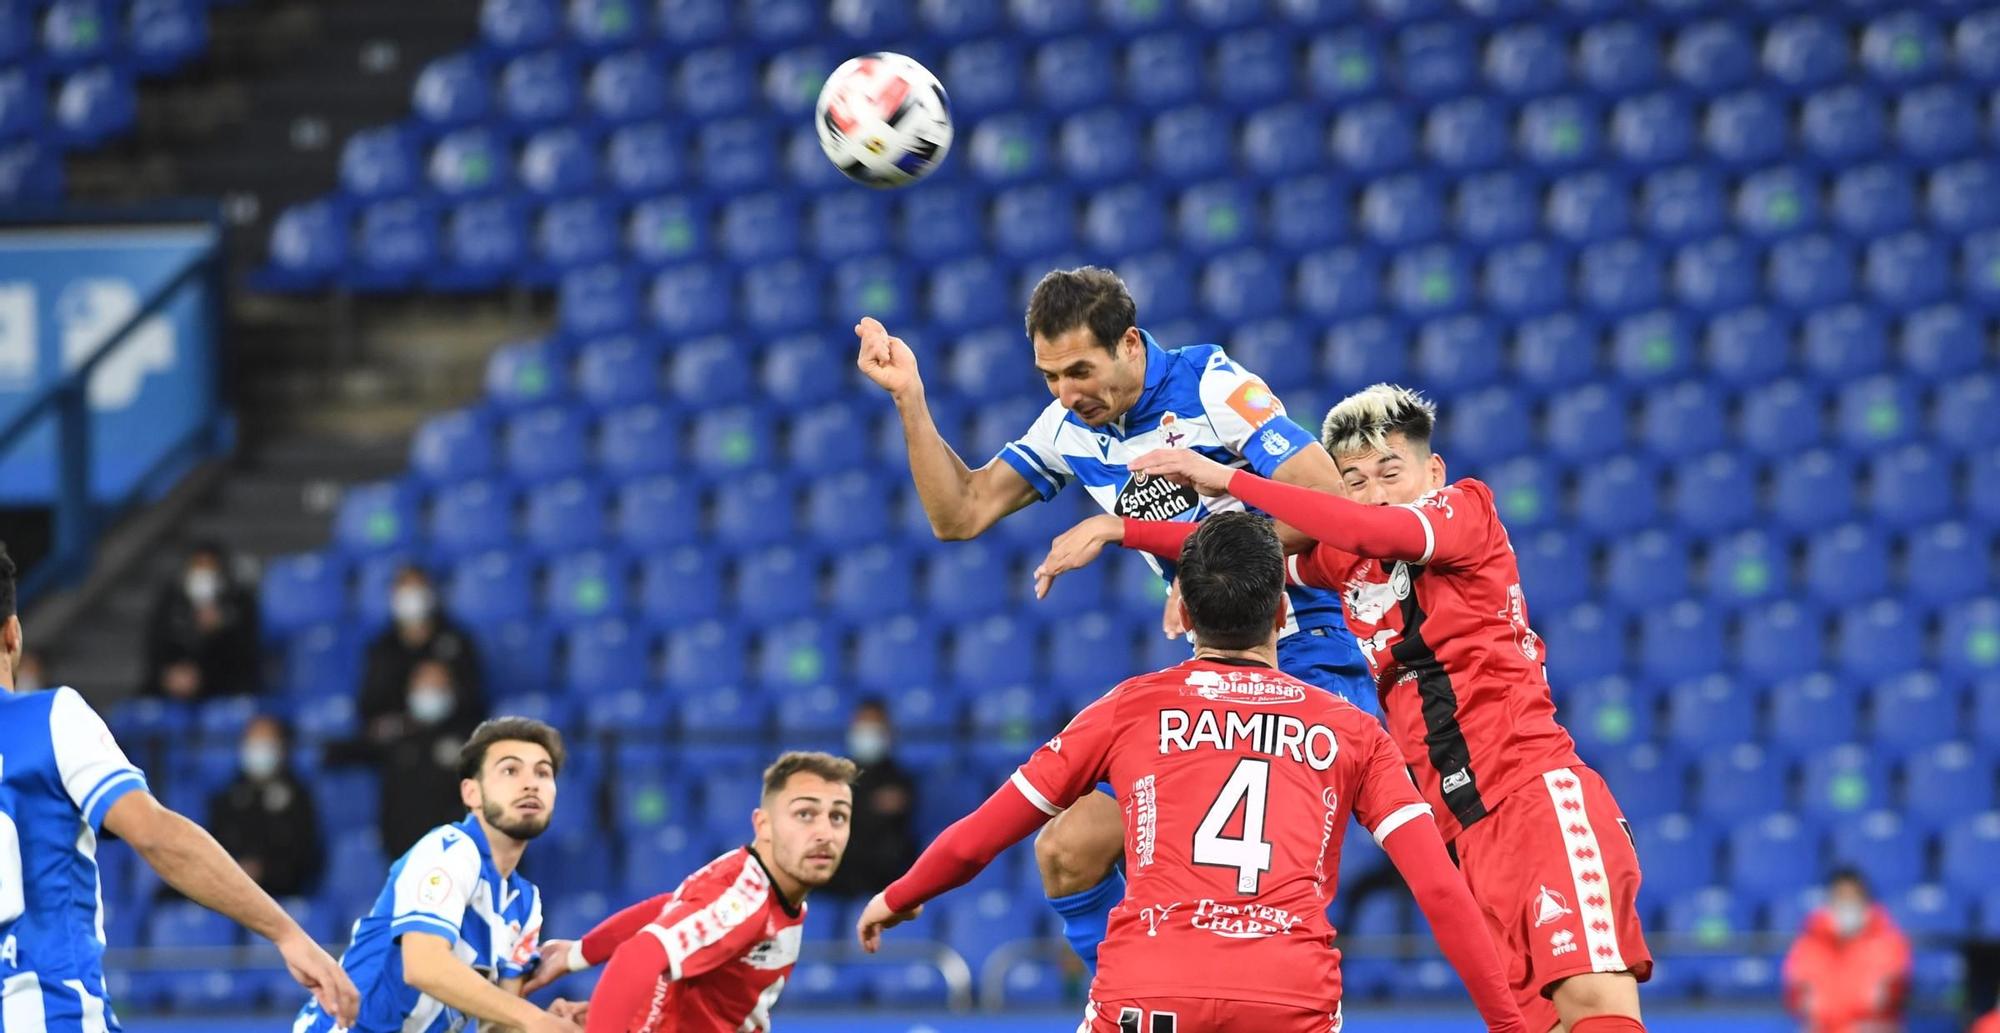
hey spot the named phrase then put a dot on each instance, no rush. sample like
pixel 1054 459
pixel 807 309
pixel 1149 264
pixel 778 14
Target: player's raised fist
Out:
pixel 886 360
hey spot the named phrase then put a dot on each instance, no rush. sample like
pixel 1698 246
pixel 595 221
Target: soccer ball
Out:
pixel 884 120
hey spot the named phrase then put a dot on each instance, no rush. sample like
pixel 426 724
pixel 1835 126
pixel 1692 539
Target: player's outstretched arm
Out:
pixel 962 503
pixel 561 957
pixel 1418 853
pixel 430 966
pixel 627 984
pixel 952 860
pixel 191 861
pixel 1377 532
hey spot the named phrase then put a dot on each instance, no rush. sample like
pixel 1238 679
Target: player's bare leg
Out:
pixel 1078 856
pixel 1600 1002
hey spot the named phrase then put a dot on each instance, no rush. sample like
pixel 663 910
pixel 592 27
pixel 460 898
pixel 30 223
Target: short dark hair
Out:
pixel 1853 877
pixel 7 573
pixel 811 762
pixel 472 756
pixel 1232 578
pixel 1088 296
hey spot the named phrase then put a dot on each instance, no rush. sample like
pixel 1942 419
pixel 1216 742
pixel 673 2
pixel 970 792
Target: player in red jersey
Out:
pixel 1236 781
pixel 714 954
pixel 1433 595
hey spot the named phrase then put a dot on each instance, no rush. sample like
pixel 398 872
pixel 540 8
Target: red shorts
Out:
pixel 1554 870
pixel 1203 1015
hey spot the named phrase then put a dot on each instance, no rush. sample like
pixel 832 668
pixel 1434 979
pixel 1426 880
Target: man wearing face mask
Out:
pixel 201 640
pixel 415 750
pixel 885 804
pixel 1849 972
pixel 418 631
pixel 266 818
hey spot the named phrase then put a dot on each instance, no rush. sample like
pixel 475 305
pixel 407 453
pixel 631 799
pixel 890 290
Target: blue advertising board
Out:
pixel 63 292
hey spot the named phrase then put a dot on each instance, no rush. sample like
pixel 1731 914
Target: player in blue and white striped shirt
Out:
pixel 1119 395
pixel 456 930
pixel 63 779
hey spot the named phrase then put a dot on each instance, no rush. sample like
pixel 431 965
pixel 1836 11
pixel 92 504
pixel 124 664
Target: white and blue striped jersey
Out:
pixel 60 771
pixel 447 886
pixel 1196 398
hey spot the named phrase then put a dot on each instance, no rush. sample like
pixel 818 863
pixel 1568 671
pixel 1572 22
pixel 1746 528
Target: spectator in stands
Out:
pixel 201 641
pixel 1849 972
pixel 418 632
pixel 415 750
pixel 884 843
pixel 266 817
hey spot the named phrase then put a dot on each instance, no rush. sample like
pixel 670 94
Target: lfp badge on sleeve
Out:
pixel 63 292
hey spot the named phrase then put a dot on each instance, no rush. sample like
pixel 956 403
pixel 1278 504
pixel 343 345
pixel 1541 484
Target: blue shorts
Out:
pixel 1329 658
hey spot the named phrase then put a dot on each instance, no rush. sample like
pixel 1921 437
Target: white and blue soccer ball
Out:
pixel 883 120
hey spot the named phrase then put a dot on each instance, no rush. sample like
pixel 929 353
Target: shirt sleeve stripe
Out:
pixel 422 923
pixel 1430 536
pixel 1030 470
pixel 1034 795
pixel 1292 569
pixel 109 790
pixel 1403 816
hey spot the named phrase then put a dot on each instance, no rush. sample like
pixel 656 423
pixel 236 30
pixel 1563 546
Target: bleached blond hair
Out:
pixel 1363 421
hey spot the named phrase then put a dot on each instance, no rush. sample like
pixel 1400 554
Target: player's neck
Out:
pixel 506 850
pixel 789 888
pixel 1266 655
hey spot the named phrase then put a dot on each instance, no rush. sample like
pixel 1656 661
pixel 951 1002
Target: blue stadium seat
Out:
pixel 1755 841
pixel 733 151
pixel 645 439
pixel 1844 343
pixel 484 241
pixel 526 374
pixel 1344 65
pixel 1526 59
pixel 1679 642
pixel 1099 146
pixel 877 286
pixel 1281 351
pixel 992 653
pixel 1811 711
pixel 1933 123
pixel 600 25
pixel 1707 493
pixel 626 87
pixel 1844 562
pixel 678 583
pixel 759 226
pixel 1486 426
pixel 559 161
pixel 510 26
pixel 1621 276
pixel 822 439
pixel 1033 220
pixel 1650 569
pixel 1872 200
pixel 1589 206
pixel 1553 353
pixel 454 446
pixel 1842 782
pixel 849 222
pixel 902 651
pixel 598 301
pixel 1618 57
pixel 1745 129
pixel 452 91
pixel 375 517
pixel 985 76
pixel 309 241
pixel 1941 344
pixel 708 652
pixel 1375 137
pixel 1805 51
pixel 1401 210
pixel 1611 714
pixel 1679 854
pixel 690 300
pixel 1215 216
pixel 1713 56
pixel 1526 279
pixel 1985 708
pixel 490 588
pixel 1653 130
pixel 1908 270
pixel 182 924
pixel 768 584
pixel 1777 202
pixel 546 443
pixel 1124 218
pixel 1162 284
pixel 77 32
pixel 1976 46
pixel 163 35
pixel 1945 780
pixel 1706 715
pixel 967 581
pixel 1270 140
pixel 1968 848
pixel 1913 709
pixel 722 713
pixel 1909 486
pixel 1162 69
pixel 1881 847
pixel 1682 419
pixel 1432 280
pixel 795 657
pixel 373 576
pixel 753 511
pixel 302 590
pixel 1960 196
pixel 1944 563
pixel 1647 780
pixel 1365 350
pixel 940 222
pixel 1780 418
pixel 379 162
pixel 539 89
pixel 522 647
pixel 1652 346
pixel 1252 67
pixel 1843 124
pixel 1009 148
pixel 616 370
pixel 1812 270
pixel 1585 642
pixel 1088 653
pixel 1338 282
pixel 1903 47
pixel 1490 207
pixel 644 158
pixel 1811 490
pixel 1559 132
pixel 471 516
pixel 1861 630
pixel 1715 274
pixel 782 296
pixel 564 515
pixel 1583 414
pixel 1456 353
pixel 1776 640
pixel 1969 639
pixel 396 240
pixel 1682 203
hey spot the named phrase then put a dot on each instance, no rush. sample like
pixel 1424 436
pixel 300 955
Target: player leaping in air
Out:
pixel 1239 780
pixel 1118 395
pixel 1433 593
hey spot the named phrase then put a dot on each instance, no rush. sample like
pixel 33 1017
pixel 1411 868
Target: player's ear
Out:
pixel 760 824
pixel 11 645
pixel 470 795
pixel 1284 610
pixel 1436 470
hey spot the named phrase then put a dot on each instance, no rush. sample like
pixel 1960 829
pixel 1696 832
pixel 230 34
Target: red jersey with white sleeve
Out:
pixel 1236 781
pixel 712 955
pixel 1458 668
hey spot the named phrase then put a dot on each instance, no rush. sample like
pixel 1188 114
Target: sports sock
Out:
pixel 1085 915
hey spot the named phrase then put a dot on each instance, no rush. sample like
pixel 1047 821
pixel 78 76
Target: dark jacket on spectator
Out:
pixel 385 681
pixel 272 828
pixel 884 841
pixel 227 654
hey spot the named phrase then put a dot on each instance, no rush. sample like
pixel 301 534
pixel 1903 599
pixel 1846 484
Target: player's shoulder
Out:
pixel 722 871
pixel 1464 491
pixel 450 845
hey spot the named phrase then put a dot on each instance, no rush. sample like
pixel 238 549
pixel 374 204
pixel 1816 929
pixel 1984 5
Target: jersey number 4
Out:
pixel 1249 853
